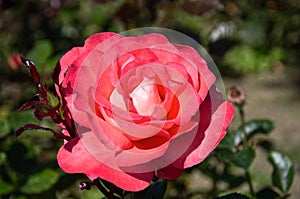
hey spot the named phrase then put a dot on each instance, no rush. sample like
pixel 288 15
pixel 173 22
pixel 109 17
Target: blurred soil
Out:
pixel 275 95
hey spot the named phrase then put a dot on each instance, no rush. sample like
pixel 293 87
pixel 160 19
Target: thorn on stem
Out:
pixel 85 185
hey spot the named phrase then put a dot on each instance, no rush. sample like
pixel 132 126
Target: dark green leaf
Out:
pixel 283 171
pixel 40 182
pixel 226 155
pixel 233 196
pixel 157 190
pixel 227 143
pixel 267 193
pixel 251 128
pixel 6 188
pixel 245 157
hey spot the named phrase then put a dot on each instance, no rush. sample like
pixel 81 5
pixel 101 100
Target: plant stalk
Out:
pixel 102 188
pixel 243 123
pixel 249 180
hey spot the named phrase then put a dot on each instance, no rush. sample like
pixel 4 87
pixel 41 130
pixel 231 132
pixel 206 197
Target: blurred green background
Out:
pixel 254 43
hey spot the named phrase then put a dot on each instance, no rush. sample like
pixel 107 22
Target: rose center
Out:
pixel 145 97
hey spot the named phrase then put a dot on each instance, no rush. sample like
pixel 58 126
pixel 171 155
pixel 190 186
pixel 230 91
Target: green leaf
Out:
pixel 41 52
pixel 226 155
pixel 6 188
pixel 242 158
pixel 245 157
pixel 233 196
pixel 251 128
pixel 267 193
pixel 157 190
pixel 40 182
pixel 283 171
pixel 227 144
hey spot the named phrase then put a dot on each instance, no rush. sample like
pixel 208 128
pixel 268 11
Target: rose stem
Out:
pixel 248 177
pixel 245 143
pixel 101 188
pixel 243 122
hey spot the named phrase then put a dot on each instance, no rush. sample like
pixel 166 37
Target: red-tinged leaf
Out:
pixel 37 127
pixel 33 71
pixel 43 92
pixel 43 88
pixel 69 122
pixel 53 113
pixel 40 114
pixel 56 73
pixel 31 104
pixel 42 99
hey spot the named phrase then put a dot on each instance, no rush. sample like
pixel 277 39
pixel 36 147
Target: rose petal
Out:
pixel 210 131
pixel 71 156
pixel 98 38
pixel 213 135
pixel 207 78
pixel 148 159
pixel 77 52
pixel 68 59
pixel 170 172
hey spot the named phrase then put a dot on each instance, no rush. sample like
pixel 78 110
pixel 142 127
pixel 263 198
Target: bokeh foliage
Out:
pixel 263 34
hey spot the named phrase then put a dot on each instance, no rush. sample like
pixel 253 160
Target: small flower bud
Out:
pixel 52 99
pixel 14 61
pixel 236 95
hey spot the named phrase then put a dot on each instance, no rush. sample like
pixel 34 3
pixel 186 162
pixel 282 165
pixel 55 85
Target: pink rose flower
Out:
pixel 143 107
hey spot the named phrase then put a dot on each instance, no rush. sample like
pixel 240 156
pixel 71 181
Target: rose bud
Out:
pixel 14 61
pixel 236 95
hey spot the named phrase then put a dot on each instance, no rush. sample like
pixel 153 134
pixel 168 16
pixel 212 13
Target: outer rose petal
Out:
pixel 215 116
pixel 170 172
pixel 73 154
pixel 220 120
pixel 68 59
pixel 71 56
